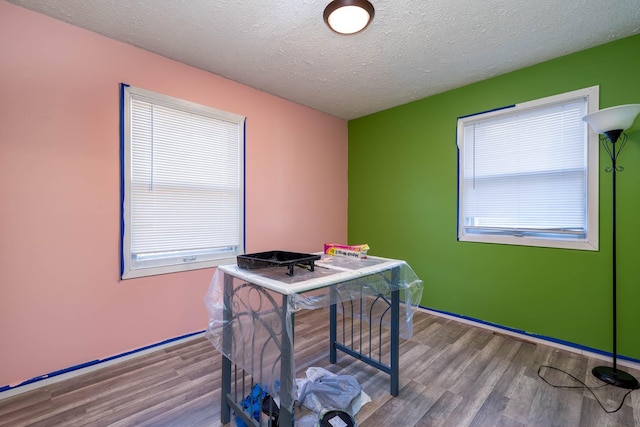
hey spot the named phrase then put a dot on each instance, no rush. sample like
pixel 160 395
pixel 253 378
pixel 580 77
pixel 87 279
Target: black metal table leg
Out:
pixel 225 410
pixel 395 333
pixel 333 326
pixel 286 367
pixel 395 343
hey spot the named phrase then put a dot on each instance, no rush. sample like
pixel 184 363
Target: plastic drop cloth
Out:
pixel 250 311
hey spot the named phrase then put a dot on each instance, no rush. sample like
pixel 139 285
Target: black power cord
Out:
pixel 583 386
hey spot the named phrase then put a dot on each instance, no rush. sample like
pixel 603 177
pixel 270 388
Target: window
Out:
pixel 182 184
pixel 528 174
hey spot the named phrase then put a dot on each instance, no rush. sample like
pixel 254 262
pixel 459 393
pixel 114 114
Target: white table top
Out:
pixel 329 271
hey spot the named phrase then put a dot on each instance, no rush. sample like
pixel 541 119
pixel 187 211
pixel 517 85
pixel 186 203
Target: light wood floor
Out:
pixel 452 374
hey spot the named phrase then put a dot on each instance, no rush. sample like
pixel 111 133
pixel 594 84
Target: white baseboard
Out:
pixel 525 337
pixel 46 380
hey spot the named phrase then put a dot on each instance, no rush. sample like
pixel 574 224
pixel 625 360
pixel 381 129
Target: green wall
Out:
pixel 403 198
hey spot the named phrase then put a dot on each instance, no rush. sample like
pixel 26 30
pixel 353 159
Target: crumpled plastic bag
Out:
pixel 323 389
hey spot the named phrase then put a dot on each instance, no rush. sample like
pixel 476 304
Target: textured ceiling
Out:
pixel 411 50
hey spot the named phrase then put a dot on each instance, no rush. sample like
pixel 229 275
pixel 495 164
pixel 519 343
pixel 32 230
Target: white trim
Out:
pixel 591 242
pixel 45 381
pixel 178 262
pixel 176 268
pixel 536 340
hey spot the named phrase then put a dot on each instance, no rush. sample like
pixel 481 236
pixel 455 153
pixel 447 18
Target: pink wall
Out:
pixel 61 300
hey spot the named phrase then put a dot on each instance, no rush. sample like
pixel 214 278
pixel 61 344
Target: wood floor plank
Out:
pixel 493 408
pixel 438 414
pixel 21 406
pixel 408 411
pixel 505 421
pixel 477 393
pixel 521 393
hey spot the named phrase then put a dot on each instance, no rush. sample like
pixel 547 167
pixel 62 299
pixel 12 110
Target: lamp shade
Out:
pixel 348 16
pixel 619 118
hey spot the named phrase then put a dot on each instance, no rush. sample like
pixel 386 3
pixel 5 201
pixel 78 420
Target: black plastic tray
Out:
pixel 277 259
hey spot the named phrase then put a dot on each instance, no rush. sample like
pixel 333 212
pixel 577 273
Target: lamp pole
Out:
pixel 612 122
pixel 614 273
pixel 612 375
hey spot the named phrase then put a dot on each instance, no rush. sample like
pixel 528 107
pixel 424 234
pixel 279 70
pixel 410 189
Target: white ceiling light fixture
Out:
pixel 348 16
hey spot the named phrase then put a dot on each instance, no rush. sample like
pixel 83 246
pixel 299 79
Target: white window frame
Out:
pixel 513 237
pixel 167 261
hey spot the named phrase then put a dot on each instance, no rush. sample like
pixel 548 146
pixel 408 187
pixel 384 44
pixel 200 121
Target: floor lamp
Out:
pixel 611 122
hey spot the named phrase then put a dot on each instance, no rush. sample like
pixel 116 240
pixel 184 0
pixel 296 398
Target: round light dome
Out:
pixel 348 16
pixel 613 118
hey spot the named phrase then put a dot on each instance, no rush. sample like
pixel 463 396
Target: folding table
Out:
pixel 252 320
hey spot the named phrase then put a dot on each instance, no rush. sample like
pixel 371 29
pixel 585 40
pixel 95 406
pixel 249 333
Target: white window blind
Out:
pixel 527 174
pixel 184 189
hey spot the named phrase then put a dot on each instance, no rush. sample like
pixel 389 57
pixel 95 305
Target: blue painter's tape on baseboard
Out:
pixel 537 336
pixel 151 346
pixel 97 361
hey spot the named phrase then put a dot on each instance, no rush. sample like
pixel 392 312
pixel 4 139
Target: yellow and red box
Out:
pixel 351 251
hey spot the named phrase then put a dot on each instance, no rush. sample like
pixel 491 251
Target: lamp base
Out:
pixel 615 377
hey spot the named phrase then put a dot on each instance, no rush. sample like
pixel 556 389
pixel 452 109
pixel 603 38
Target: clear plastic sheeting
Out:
pixel 373 291
pixel 251 335
pixel 251 311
